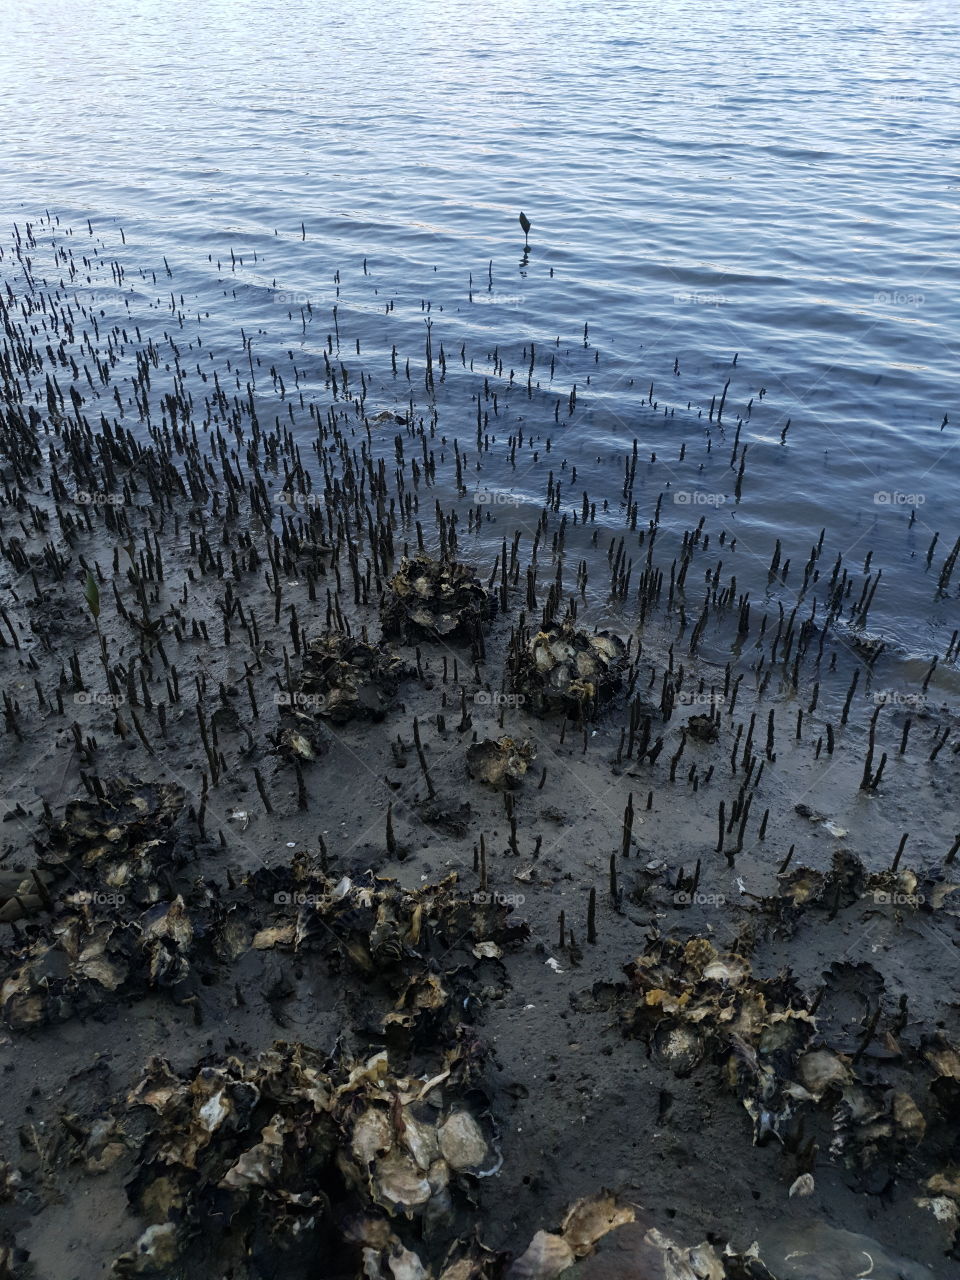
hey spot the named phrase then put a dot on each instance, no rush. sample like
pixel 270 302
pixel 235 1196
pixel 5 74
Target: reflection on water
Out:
pixel 770 182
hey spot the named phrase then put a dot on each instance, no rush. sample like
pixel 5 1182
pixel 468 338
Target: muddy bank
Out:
pixel 374 901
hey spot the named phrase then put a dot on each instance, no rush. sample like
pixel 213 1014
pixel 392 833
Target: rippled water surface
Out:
pixel 772 181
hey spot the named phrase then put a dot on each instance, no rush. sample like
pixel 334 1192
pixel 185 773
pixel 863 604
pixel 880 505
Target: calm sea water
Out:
pixel 773 181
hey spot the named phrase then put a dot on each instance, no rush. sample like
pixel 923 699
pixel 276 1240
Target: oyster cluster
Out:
pixel 435 599
pixel 294 1157
pixel 401 943
pixel 298 1162
pixel 568 670
pixel 117 925
pixel 299 1165
pixel 96 948
pixel 347 679
pixel 501 762
pixel 122 840
pixel 847 881
pixel 136 931
pixel 695 1002
pixel 703 728
pixel 879 1115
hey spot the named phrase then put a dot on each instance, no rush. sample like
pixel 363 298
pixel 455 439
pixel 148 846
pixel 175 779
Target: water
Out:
pixel 775 181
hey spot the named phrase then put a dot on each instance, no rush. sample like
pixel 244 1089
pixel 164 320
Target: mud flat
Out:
pixel 399 884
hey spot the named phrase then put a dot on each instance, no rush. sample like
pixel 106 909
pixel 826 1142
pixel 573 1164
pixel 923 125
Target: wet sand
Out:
pixel 694 946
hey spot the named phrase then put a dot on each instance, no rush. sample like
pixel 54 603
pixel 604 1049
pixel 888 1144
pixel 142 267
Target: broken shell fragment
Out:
pixel 821 1070
pixel 802 1186
pixel 400 1183
pixel 546 1257
pixel 678 1047
pixel 700 1262
pixel 590 1219
pixel 463 1145
pixel 154 1252
pixel 908 1117
pixel 299 746
pixel 584 1225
